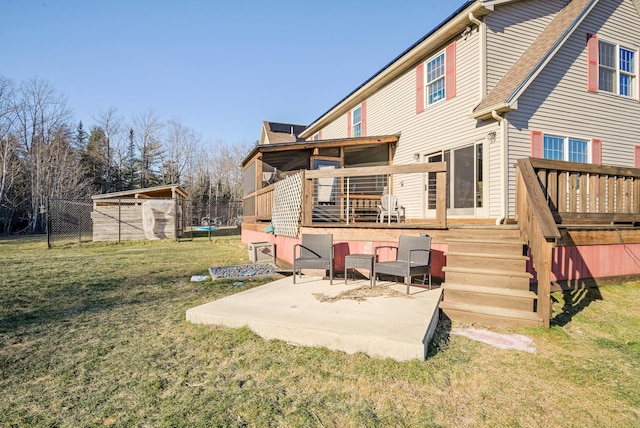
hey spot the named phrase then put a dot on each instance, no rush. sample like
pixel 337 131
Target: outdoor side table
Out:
pixel 361 261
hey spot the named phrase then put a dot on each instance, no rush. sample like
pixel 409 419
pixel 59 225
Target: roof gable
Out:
pixel 277 132
pixel 506 92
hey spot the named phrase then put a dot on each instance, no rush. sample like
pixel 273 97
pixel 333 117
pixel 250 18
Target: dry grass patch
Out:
pixel 97 336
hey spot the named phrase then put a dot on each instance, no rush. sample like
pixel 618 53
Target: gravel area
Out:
pixel 242 271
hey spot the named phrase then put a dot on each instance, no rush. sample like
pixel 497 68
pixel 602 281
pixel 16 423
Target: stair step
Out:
pixel 491 290
pixel 489 272
pixel 479 240
pixel 500 280
pixel 463 312
pixel 485 246
pixel 488 255
pixel 521 300
pixel 475 261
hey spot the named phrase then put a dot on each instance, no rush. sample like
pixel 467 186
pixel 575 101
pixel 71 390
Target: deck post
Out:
pixel 544 283
pixel 441 199
pixel 307 199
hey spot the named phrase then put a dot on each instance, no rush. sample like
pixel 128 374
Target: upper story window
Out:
pixel 356 122
pixel 617 72
pixel 316 136
pixel 435 79
pixel 612 67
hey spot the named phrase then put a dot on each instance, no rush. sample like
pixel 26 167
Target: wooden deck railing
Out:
pixel 538 229
pixel 586 194
pixel 346 203
pixel 259 204
pixel 549 193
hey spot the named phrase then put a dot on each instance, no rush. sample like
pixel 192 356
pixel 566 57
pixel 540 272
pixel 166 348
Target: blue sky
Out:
pixel 218 67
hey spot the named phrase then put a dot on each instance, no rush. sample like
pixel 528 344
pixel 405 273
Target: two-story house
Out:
pixel 499 83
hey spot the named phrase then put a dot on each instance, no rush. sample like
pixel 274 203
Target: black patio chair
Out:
pixel 314 252
pixel 413 257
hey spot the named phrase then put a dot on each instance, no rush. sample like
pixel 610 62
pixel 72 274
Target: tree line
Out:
pixel 44 154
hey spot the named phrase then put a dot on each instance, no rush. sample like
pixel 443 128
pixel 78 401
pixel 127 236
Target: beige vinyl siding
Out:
pixel 510 31
pixel 336 129
pixel 444 125
pixel 558 101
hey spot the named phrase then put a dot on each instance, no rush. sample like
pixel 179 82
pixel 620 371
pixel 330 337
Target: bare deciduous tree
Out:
pixel 180 145
pixel 41 115
pixel 8 164
pixel 147 128
pixel 112 126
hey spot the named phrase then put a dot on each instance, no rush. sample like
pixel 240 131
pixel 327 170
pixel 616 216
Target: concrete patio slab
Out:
pixel 388 326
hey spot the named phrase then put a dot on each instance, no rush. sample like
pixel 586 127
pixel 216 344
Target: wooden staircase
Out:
pixel 486 279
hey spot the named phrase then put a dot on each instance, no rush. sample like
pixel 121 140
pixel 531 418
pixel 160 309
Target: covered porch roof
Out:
pixel 320 144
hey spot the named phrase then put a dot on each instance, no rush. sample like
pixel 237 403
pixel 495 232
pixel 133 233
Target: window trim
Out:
pixel 353 123
pixel 566 139
pixel 442 78
pixel 617 72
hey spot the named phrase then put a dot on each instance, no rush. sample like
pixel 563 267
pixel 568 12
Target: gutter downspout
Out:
pixel 503 160
pixel 474 19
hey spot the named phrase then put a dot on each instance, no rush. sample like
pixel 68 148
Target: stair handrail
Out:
pixel 538 229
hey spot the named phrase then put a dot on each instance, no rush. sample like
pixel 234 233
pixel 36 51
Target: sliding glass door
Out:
pixel 465 179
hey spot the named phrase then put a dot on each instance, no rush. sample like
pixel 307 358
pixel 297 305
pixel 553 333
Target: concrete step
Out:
pixel 462 312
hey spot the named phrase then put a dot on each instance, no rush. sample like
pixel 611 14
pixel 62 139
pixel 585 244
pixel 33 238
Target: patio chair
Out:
pixel 314 252
pixel 388 207
pixel 413 257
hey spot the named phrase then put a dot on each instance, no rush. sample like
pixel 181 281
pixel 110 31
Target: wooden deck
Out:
pixel 576 226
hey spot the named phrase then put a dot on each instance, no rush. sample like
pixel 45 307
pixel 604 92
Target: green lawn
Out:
pixel 95 335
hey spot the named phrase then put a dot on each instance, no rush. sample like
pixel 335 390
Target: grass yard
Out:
pixel 96 336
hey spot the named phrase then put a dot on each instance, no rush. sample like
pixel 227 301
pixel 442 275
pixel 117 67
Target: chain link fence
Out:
pixel 69 221
pixel 77 221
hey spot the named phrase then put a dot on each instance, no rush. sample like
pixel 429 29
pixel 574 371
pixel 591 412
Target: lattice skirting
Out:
pixel 287 206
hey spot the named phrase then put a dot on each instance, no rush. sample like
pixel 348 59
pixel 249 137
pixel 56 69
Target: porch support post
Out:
pixel 441 198
pixel 307 199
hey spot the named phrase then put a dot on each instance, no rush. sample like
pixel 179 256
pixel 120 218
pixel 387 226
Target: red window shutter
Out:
pixel 537 144
pixel 364 119
pixel 636 156
pixel 592 62
pixel 450 71
pixel 320 134
pixel 420 88
pixel 596 151
pixel 349 124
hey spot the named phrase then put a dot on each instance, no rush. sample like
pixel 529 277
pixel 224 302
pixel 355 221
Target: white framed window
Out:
pixel 565 148
pixel 316 136
pixel 435 72
pixel 617 69
pixel 356 122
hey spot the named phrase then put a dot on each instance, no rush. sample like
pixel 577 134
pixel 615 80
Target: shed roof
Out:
pixel 166 191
